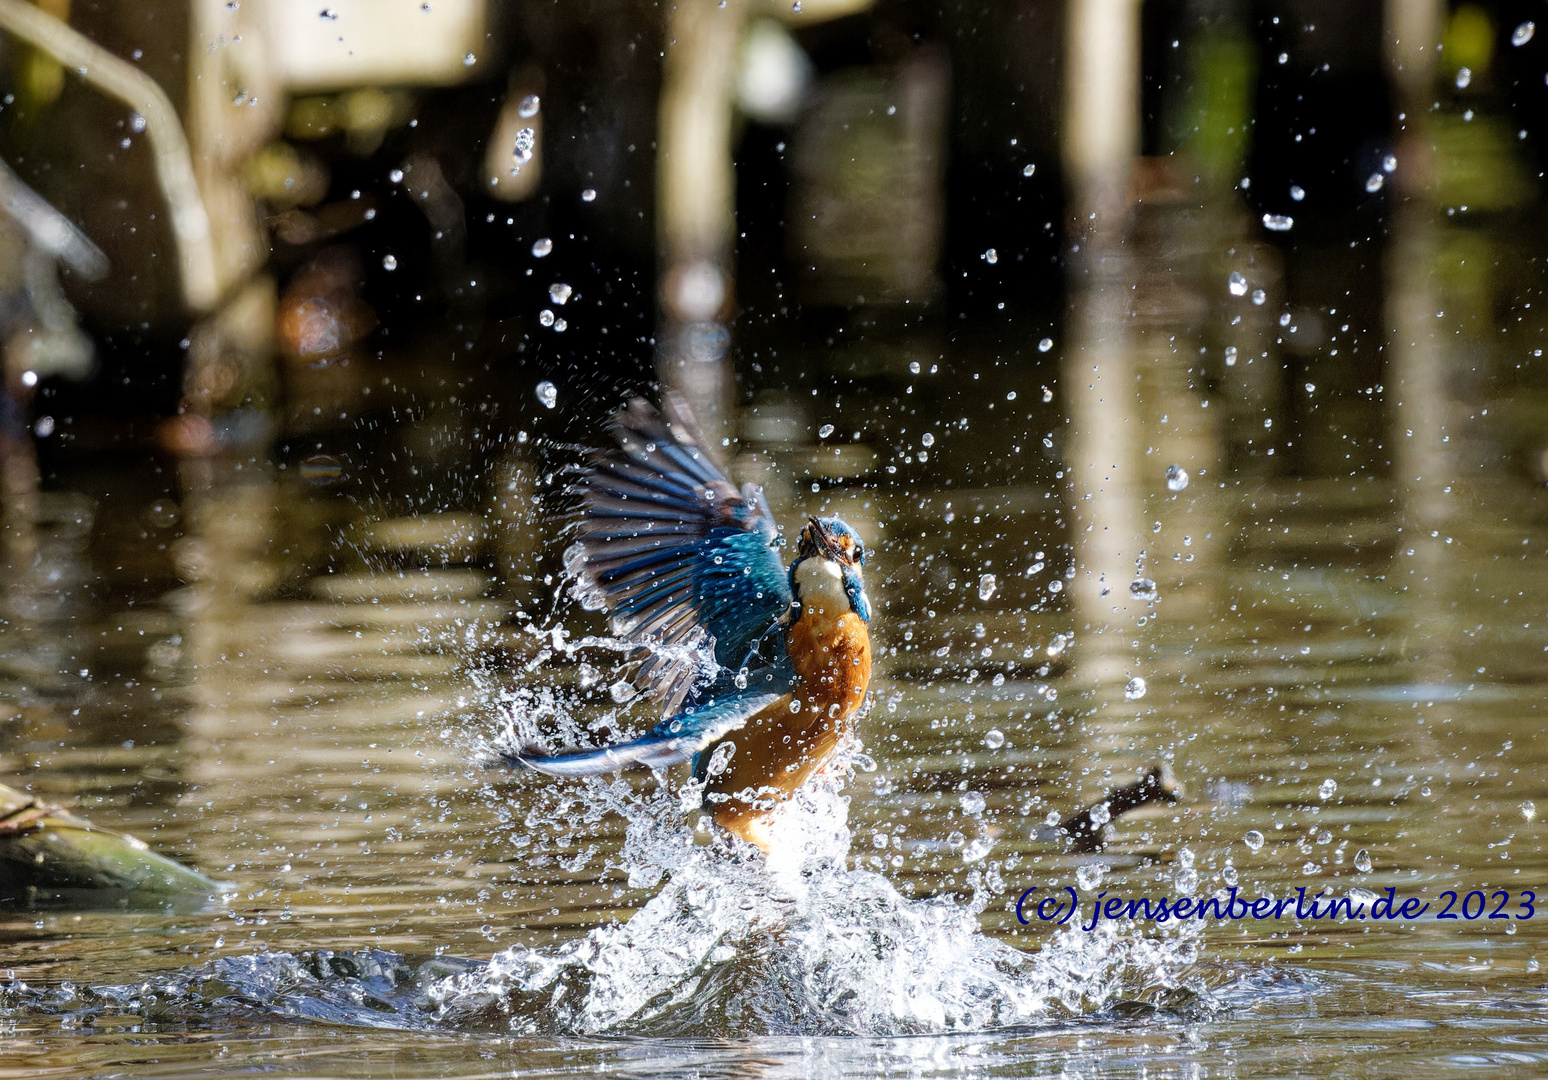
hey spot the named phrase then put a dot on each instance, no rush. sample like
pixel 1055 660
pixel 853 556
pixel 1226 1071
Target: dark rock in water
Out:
pixel 51 858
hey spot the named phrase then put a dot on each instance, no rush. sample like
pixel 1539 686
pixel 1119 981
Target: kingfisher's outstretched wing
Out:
pixel 720 709
pixel 676 555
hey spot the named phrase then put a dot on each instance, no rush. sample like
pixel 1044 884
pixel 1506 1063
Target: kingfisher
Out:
pixel 758 669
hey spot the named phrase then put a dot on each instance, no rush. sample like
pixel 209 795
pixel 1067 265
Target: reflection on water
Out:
pixel 278 676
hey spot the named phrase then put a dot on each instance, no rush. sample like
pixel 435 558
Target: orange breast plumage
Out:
pixel 779 749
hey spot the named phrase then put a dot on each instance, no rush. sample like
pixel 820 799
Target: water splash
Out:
pixel 800 945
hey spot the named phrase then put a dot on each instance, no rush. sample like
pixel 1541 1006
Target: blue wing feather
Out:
pixel 675 554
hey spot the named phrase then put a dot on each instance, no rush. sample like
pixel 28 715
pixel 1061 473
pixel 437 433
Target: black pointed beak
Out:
pixel 824 538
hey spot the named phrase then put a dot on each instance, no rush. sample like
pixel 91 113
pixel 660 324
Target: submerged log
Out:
pixel 1092 828
pixel 51 858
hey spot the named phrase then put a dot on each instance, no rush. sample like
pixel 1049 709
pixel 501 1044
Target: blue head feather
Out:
pixel 833 539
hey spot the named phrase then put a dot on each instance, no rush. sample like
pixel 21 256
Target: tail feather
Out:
pixel 651 751
pixel 673 740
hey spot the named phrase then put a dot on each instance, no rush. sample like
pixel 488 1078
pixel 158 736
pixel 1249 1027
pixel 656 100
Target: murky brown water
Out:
pixel 236 665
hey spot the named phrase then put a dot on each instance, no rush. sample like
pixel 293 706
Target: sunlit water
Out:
pixel 1316 669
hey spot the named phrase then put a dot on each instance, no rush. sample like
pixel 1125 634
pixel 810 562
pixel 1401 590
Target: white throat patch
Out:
pixel 822 587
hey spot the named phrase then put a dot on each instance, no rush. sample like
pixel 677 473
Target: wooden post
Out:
pixel 697 202
pixel 1101 112
pixel 1101 141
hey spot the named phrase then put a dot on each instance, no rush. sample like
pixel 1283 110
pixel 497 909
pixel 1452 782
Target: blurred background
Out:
pixel 1202 337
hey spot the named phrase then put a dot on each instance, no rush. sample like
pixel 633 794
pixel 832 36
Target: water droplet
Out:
pixel 991 256
pixel 164 513
pixel 559 292
pixel 1176 478
pixel 1143 588
pixel 824 431
pixel 1259 296
pixel 321 469
pixel 1327 789
pixel 622 690
pixel 469 60
pixel 972 803
pixel 1228 874
pixel 1374 181
pixel 955 839
pixel 927 439
pixel 1057 646
pixel 560 326
pixel 529 106
pixel 977 849
pixel 136 122
pixel 546 317
pixel 986 586
pixel 1362 861
pixel 1278 222
pixel 542 247
pixel 1028 170
pixel 1464 78
pixel 588 195
pixel 1230 356
pixel 1388 163
pixel 526 143
pixel 390 262
pixel 1101 814
pixel 1135 689
pixel 1297 192
pixel 1253 839
pixel 1284 319
pixel 1089 876
pixel 994 738
pixel 396 176
pixel 1186 880
pixel 1055 586
pixel 548 394
pixel 1310 868
pixel 328 13
pixel 1045 344
pixel 44 427
pixel 1047 394
pixel 1237 284
pixel 1523 33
